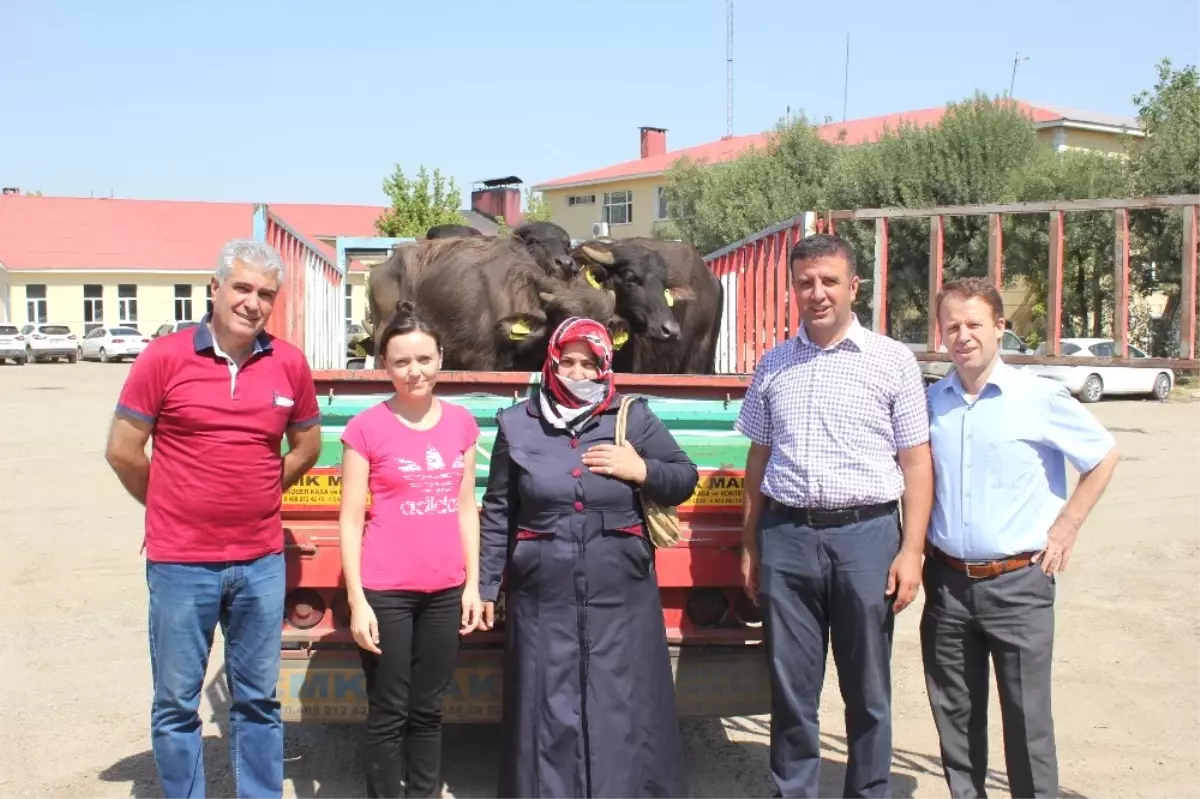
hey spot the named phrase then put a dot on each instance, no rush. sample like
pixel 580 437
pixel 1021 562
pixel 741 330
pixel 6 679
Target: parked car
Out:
pixel 1090 383
pixel 933 371
pixel 172 327
pixel 45 342
pixel 106 344
pixel 12 345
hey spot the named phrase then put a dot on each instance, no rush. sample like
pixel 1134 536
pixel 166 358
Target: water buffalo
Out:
pixel 550 246
pixel 671 301
pixel 492 302
pixel 450 231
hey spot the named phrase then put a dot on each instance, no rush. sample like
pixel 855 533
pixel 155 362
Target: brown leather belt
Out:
pixel 981 570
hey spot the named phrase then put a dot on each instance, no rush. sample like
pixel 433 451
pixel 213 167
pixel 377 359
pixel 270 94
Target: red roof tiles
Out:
pixel 62 233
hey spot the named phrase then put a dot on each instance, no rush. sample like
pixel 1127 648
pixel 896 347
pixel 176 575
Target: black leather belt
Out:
pixel 831 517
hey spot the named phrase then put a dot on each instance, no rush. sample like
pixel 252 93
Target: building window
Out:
pixel 183 302
pixel 661 210
pixel 127 303
pixel 208 306
pixel 618 207
pixel 589 199
pixel 93 307
pixel 36 308
pixel 349 304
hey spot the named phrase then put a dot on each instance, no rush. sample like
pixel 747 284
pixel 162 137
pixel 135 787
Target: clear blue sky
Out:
pixel 310 101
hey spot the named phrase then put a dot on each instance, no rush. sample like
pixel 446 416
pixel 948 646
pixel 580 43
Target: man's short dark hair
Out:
pixel 823 245
pixel 969 287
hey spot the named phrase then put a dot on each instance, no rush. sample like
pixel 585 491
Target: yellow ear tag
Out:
pixel 518 331
pixel 620 339
pixel 670 298
pixel 590 277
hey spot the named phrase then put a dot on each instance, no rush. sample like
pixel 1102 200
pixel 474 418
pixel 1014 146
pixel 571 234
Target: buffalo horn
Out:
pixel 598 256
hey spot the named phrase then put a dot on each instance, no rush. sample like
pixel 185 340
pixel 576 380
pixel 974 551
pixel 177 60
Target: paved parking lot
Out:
pixel 75 717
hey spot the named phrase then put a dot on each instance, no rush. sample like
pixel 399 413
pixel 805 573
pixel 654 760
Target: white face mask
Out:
pixel 585 390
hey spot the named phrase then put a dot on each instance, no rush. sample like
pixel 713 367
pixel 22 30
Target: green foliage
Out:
pixel 714 205
pixel 537 207
pixel 1166 162
pixel 418 204
pixel 984 150
pixel 970 157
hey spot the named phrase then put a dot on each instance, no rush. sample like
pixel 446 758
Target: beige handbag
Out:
pixel 662 524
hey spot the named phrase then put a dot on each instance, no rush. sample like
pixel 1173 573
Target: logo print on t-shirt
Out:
pixel 438 484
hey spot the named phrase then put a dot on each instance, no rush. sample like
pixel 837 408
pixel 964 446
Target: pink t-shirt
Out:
pixel 412 539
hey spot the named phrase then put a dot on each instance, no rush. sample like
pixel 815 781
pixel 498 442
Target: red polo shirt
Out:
pixel 216 463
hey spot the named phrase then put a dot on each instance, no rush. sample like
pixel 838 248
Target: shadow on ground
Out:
pixel 726 758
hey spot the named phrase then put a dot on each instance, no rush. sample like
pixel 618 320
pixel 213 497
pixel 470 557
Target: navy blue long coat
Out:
pixel 589 701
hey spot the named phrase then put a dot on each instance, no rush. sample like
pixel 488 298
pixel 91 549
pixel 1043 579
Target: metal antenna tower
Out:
pixel 728 67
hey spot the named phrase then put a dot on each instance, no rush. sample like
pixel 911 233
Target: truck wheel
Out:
pixel 1093 389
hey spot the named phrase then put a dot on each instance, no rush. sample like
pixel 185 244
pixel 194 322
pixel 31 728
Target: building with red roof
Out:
pixel 628 196
pixel 90 262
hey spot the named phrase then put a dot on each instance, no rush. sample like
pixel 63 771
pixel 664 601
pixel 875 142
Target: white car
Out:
pixel 167 328
pixel 45 342
pixel 12 345
pixel 106 344
pixel 1090 383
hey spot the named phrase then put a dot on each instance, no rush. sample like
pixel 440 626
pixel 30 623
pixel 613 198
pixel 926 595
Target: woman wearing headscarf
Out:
pixel 589 700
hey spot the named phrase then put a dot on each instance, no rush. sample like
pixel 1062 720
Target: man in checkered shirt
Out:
pixel 839 430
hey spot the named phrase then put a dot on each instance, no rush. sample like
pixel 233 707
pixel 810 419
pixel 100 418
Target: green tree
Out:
pixel 714 205
pixel 969 157
pixel 537 207
pixel 1166 162
pixel 418 204
pixel 1089 248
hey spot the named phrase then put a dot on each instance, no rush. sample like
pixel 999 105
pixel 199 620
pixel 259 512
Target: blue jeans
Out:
pixel 187 601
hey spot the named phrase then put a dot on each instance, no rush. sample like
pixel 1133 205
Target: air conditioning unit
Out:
pixel 599 230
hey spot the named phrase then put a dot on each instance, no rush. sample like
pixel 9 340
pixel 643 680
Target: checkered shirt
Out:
pixel 834 419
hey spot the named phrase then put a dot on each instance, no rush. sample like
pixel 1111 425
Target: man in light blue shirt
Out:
pixel 1002 527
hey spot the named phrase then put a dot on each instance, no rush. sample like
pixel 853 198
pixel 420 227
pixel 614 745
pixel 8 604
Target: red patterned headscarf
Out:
pixel 566 403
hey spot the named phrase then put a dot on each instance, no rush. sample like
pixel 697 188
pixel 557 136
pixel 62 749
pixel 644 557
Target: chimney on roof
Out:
pixel 654 141
pixel 499 197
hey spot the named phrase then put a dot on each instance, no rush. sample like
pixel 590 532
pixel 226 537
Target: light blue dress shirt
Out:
pixel 999 462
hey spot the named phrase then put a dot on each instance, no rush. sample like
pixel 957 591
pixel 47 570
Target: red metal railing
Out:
pixel 760 310
pixel 309 311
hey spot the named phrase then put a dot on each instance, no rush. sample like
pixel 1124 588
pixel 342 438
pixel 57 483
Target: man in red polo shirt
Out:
pixel 218 400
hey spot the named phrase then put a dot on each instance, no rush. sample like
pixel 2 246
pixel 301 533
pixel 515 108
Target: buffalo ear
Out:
pixel 682 293
pixel 618 330
pixel 519 327
pixel 595 274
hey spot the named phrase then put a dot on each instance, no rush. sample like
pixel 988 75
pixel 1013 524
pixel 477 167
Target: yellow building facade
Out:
pixel 85 300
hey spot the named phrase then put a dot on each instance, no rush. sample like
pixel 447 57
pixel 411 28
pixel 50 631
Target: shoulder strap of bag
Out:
pixel 622 419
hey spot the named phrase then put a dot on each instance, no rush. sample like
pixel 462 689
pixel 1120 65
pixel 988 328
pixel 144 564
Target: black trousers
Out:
pixel 406 686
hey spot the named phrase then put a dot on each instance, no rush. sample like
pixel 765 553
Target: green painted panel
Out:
pixel 703 428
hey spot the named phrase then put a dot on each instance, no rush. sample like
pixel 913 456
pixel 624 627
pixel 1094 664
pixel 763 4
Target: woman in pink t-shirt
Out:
pixel 412 571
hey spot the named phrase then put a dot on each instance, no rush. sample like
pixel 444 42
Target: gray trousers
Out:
pixel 1008 620
pixel 816 584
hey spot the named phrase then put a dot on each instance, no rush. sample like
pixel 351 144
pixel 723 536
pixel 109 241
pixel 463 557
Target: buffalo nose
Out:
pixel 670 330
